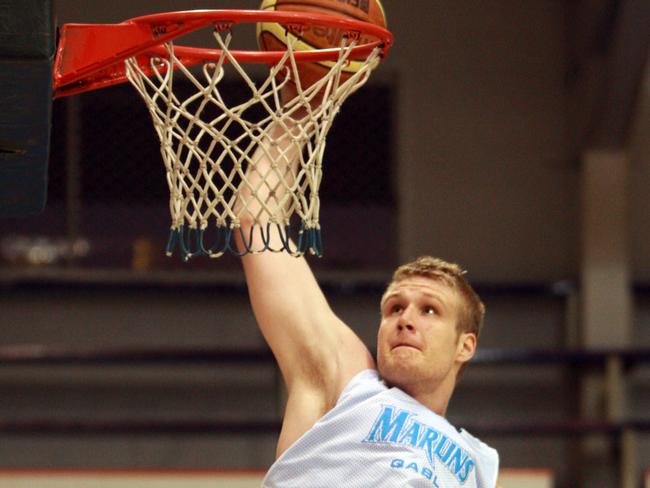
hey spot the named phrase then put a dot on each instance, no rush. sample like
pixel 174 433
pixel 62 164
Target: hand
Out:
pixel 291 98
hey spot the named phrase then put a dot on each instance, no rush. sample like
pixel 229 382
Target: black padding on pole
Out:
pixel 27 29
pixel 27 46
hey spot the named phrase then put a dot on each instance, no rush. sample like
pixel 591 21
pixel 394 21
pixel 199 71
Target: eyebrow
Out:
pixel 388 295
pixel 442 303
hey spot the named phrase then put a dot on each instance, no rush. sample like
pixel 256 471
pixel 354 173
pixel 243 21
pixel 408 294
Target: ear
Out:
pixel 466 347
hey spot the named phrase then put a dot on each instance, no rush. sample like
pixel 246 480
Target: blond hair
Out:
pixel 453 276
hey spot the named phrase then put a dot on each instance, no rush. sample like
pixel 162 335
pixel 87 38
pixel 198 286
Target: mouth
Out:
pixel 405 346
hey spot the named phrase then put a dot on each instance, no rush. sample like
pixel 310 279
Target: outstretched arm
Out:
pixel 316 352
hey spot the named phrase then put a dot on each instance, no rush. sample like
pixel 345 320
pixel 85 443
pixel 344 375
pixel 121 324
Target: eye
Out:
pixel 392 307
pixel 429 310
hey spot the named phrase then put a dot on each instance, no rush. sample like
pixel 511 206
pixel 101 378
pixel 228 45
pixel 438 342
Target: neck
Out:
pixel 435 399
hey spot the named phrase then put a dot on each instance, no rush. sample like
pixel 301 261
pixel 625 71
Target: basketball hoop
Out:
pixel 208 141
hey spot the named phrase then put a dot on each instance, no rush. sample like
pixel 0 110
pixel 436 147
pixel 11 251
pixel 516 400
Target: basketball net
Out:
pixel 208 148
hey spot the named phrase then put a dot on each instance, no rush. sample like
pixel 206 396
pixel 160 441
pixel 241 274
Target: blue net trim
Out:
pixel 193 242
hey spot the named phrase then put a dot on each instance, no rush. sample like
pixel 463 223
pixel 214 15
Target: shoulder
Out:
pixel 477 444
pixel 367 379
pixel 306 406
pixel 487 458
pixel 364 385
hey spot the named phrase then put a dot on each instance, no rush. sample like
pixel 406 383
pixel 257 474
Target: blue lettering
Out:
pixel 428 439
pixel 413 466
pixel 388 426
pixel 464 472
pixel 444 449
pixel 397 426
pixel 457 460
pixel 411 435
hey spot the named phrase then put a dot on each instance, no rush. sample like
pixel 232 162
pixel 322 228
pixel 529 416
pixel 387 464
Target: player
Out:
pixel 350 422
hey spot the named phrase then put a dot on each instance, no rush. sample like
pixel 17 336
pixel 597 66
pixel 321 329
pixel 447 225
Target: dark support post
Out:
pixel 27 46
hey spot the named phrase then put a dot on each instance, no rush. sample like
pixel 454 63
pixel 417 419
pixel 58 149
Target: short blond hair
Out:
pixel 453 276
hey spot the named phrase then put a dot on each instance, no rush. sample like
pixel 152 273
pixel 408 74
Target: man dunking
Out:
pixel 350 422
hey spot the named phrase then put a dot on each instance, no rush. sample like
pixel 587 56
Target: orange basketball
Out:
pixel 274 37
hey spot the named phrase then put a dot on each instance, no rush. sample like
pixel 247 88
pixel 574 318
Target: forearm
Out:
pixel 310 343
pixel 267 192
pixel 289 306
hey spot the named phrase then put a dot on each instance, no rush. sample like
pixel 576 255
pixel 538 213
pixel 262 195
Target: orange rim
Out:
pixel 91 56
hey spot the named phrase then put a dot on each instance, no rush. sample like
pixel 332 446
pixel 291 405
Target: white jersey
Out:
pixel 381 437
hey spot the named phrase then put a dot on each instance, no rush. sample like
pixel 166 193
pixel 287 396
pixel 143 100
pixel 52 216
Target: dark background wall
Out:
pixel 489 109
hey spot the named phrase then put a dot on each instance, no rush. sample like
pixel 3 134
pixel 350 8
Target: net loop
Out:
pixel 212 145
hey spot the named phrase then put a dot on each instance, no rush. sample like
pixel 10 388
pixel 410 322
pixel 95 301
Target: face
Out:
pixel 418 346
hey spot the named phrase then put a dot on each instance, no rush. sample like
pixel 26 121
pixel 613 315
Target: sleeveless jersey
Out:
pixel 380 437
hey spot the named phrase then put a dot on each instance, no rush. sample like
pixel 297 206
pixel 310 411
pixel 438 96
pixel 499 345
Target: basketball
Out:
pixel 274 37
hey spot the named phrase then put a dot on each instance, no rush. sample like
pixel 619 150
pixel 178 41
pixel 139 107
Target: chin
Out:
pixel 409 376
pixel 397 375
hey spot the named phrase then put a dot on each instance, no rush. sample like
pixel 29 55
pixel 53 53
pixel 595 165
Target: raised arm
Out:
pixel 316 352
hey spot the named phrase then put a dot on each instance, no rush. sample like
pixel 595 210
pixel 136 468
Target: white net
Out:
pixel 211 146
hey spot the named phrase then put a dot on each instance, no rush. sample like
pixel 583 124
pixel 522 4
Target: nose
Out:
pixel 405 321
